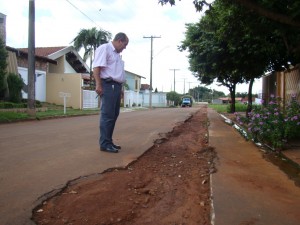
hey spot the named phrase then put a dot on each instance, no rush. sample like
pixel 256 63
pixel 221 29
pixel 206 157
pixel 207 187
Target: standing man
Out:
pixel 109 74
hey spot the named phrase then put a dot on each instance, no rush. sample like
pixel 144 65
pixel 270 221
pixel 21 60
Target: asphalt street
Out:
pixel 40 157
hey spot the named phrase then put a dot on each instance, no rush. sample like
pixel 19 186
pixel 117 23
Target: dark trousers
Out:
pixel 110 110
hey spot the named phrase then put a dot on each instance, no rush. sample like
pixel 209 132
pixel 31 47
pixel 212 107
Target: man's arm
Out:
pixel 96 74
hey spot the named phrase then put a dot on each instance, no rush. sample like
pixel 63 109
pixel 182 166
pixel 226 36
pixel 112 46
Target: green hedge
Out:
pixel 23 104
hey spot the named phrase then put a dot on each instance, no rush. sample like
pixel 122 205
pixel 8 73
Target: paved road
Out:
pixel 38 157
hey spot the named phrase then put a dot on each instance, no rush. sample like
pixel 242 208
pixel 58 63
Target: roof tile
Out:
pixel 44 51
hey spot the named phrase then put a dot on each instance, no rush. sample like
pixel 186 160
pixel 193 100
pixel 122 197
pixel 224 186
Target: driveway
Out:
pixel 40 157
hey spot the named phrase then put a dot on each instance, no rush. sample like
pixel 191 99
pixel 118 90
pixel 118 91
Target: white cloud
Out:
pixel 59 21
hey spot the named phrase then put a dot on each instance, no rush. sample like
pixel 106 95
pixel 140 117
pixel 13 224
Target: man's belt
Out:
pixel 110 80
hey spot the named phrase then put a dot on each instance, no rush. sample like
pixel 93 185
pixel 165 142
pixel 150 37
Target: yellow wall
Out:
pixel 59 68
pixel 67 83
pixel 12 65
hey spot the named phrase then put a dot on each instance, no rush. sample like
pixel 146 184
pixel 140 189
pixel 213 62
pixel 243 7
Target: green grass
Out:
pixel 226 107
pixel 218 107
pixel 18 116
pixel 69 112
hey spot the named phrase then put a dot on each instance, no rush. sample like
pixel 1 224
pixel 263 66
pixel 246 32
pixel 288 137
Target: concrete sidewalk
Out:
pixel 247 189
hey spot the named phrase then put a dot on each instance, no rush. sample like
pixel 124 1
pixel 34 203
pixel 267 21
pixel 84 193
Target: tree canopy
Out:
pixel 232 44
pixel 205 94
pixel 223 47
pixel 90 40
pixel 3 64
pixel 284 12
pixel 174 97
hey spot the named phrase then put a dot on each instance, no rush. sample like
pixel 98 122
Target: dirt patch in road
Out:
pixel 169 184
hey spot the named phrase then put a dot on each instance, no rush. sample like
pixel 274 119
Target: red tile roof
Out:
pixel 44 51
pixel 145 86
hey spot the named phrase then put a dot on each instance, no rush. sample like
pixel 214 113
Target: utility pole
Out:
pixel 184 85
pixel 190 85
pixel 31 60
pixel 174 77
pixel 151 58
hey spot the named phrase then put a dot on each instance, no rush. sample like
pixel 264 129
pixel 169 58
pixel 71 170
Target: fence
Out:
pixel 131 99
pixel 282 84
pixel 90 99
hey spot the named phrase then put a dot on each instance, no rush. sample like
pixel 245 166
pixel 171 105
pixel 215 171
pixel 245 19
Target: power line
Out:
pixel 85 15
pixel 81 12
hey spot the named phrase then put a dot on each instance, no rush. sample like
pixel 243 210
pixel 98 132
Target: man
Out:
pixel 109 74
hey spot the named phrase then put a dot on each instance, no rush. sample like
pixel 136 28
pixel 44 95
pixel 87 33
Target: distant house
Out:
pixel 61 71
pixel 145 88
pixel 227 100
pixel 67 58
pixel 17 62
pixel 54 66
pixel 133 81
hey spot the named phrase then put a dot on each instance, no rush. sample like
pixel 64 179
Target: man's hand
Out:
pixel 98 89
pixel 122 93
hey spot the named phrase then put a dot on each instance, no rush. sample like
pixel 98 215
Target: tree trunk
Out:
pixel 249 107
pixel 91 72
pixel 232 95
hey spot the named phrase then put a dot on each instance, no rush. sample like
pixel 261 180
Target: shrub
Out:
pixel 15 85
pixel 271 124
pixel 22 104
pixel 292 119
pixel 6 105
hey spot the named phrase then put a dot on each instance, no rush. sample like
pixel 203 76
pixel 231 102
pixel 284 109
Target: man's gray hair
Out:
pixel 121 36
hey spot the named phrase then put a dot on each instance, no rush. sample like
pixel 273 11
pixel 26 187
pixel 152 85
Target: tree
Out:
pixel 263 8
pixel 205 94
pixel 90 40
pixel 241 94
pixel 210 57
pixel 3 65
pixel 174 97
pixel 233 45
pixel 15 85
pixel 226 46
pixel 282 16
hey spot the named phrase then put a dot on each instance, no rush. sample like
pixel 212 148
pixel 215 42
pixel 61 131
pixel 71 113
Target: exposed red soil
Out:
pixel 168 184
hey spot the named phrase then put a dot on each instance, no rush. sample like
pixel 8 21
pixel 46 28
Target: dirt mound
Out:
pixel 169 184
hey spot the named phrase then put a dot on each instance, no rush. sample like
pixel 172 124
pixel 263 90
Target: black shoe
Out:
pixel 109 149
pixel 116 146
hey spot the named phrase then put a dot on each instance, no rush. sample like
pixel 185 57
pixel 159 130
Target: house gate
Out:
pixel 90 99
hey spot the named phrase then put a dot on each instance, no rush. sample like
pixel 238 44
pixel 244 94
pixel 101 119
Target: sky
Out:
pixel 58 22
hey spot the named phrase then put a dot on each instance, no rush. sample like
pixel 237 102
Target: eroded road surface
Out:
pixel 169 184
pixel 40 157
